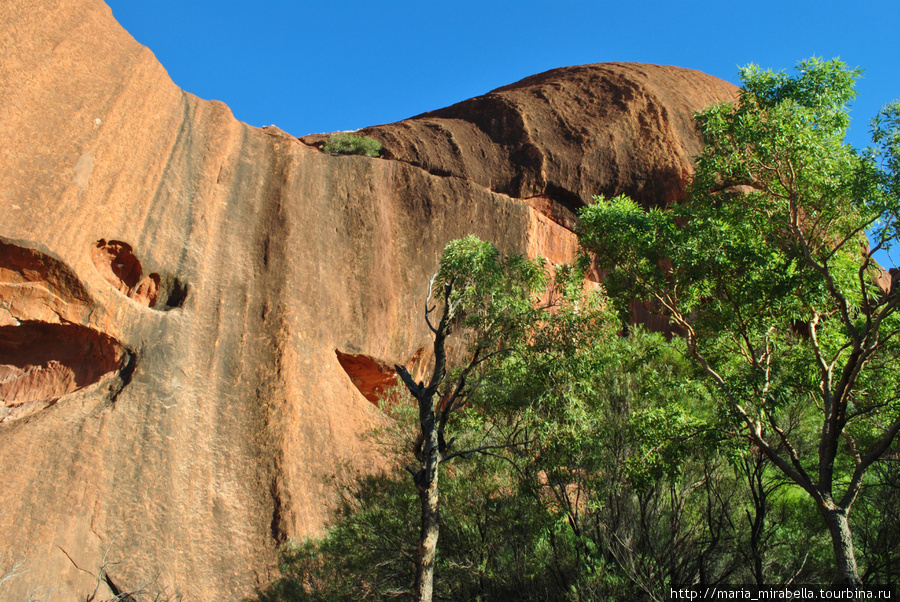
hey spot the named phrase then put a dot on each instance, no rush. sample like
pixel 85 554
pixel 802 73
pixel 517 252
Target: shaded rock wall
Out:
pixel 202 275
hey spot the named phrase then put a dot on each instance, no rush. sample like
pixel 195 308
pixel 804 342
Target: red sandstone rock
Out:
pixel 558 138
pixel 201 434
pixel 117 264
pixel 374 379
pixel 119 267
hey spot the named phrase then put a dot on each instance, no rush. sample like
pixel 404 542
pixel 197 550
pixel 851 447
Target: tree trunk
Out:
pixel 427 485
pixel 842 541
pixel 428 538
pixel 426 478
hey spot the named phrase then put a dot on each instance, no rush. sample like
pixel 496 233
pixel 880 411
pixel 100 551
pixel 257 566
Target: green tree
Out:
pixel 490 299
pixel 582 488
pixel 767 273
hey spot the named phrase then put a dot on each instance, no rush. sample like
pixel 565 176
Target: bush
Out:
pixel 348 144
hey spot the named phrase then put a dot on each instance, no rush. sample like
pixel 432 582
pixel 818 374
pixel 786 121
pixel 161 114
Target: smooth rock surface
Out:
pixel 202 405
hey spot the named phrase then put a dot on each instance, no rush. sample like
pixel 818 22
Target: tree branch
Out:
pixel 875 451
pixel 467 453
pixel 821 269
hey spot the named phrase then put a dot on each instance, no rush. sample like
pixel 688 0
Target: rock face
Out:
pixel 558 138
pixel 194 311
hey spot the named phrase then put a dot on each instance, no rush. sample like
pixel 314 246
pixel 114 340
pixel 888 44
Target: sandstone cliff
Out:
pixel 194 311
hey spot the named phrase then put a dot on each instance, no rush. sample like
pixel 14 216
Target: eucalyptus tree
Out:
pixel 491 300
pixel 767 272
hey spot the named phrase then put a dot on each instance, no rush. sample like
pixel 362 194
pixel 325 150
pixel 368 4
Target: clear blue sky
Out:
pixel 328 65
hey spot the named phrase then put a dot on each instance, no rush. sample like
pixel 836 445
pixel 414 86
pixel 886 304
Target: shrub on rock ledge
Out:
pixel 348 144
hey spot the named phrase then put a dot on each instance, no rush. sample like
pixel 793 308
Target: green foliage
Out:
pixel 348 144
pixel 571 513
pixel 877 524
pixel 372 537
pixel 884 163
pixel 767 271
pixel 769 238
pixel 490 294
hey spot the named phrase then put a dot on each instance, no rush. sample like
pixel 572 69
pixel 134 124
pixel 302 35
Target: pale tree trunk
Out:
pixel 426 478
pixel 428 539
pixel 842 540
pixel 429 495
pixel 432 422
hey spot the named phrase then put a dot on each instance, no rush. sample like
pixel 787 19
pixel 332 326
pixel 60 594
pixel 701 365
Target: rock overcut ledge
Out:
pixel 184 298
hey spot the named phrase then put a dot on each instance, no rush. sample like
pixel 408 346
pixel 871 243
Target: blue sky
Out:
pixel 330 65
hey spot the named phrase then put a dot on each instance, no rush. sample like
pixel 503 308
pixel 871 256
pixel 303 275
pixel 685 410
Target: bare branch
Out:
pixel 428 309
pixel 792 452
pixel 414 387
pixel 854 450
pixel 468 453
pixel 14 571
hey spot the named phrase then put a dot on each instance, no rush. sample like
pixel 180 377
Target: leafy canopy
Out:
pixel 767 272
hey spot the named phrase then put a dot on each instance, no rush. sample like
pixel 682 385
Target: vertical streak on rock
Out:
pixel 269 246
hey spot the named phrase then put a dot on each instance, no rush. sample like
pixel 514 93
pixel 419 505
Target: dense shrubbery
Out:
pixel 349 144
pixel 626 488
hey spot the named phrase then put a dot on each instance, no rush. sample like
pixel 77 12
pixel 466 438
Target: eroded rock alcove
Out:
pixel 41 362
pixel 44 354
pixel 116 262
